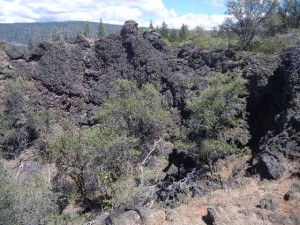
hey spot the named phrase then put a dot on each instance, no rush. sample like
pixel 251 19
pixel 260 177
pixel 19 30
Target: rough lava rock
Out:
pixel 78 76
pixel 14 53
pixel 283 141
pixel 155 39
pixel 129 29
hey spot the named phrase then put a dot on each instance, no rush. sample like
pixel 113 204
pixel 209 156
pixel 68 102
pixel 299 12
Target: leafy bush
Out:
pixel 218 115
pixel 6 197
pixel 95 162
pixel 9 74
pixel 276 43
pixel 3 45
pixel 126 192
pixel 210 43
pixel 16 120
pixel 91 157
pixel 139 111
pixel 20 205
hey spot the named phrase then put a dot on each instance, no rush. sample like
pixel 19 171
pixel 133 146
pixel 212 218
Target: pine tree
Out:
pixel 65 35
pixel 183 33
pixel 86 30
pixel 164 30
pixel 32 42
pixel 151 25
pixel 101 30
pixel 55 35
pixel 173 36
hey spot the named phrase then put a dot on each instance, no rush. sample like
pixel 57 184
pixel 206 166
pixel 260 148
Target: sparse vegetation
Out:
pixel 101 31
pixel 78 140
pixel 217 115
pixel 20 205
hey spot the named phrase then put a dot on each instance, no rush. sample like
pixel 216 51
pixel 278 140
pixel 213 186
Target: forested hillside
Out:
pixel 20 33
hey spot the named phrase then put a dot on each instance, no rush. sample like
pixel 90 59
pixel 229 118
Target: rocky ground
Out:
pixel 75 77
pixel 253 202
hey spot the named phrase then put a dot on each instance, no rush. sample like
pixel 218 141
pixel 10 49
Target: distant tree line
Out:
pixel 62 35
pixel 253 25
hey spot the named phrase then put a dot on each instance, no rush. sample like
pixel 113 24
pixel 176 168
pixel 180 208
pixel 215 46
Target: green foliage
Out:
pixel 87 30
pixel 56 36
pixel 126 192
pixel 101 31
pixel 16 122
pixel 173 36
pixel 20 205
pixel 21 32
pixel 151 25
pixel 59 35
pixel 138 111
pixel 217 113
pixel 20 124
pixel 184 32
pixel 218 103
pixel 276 43
pixel 92 157
pixel 96 162
pixel 9 74
pixel 164 30
pixel 3 45
pixel 6 197
pixel 211 43
pixel 247 17
pixel 32 43
pixel 289 11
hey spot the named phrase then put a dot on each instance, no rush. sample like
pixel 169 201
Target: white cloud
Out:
pixel 193 20
pixel 111 11
pixel 215 3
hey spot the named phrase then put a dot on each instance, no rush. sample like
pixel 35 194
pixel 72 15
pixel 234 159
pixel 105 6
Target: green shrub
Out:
pixel 3 45
pixel 141 112
pixel 211 43
pixel 9 74
pixel 19 204
pixel 275 43
pixel 259 45
pixel 126 192
pixel 218 114
pixel 91 157
pixel 15 118
pixel 7 197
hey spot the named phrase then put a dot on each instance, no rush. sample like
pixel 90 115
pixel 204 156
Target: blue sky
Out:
pixel 204 13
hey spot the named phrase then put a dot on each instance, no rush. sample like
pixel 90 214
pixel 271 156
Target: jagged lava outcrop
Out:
pixel 77 76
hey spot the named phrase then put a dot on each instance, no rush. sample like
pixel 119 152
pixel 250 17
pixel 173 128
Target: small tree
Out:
pixel 3 45
pixel 183 33
pixel 173 36
pixel 218 115
pixel 32 43
pixel 65 35
pixel 55 35
pixel 246 18
pixel 151 25
pixel 91 157
pixel 164 30
pixel 101 30
pixel 86 30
